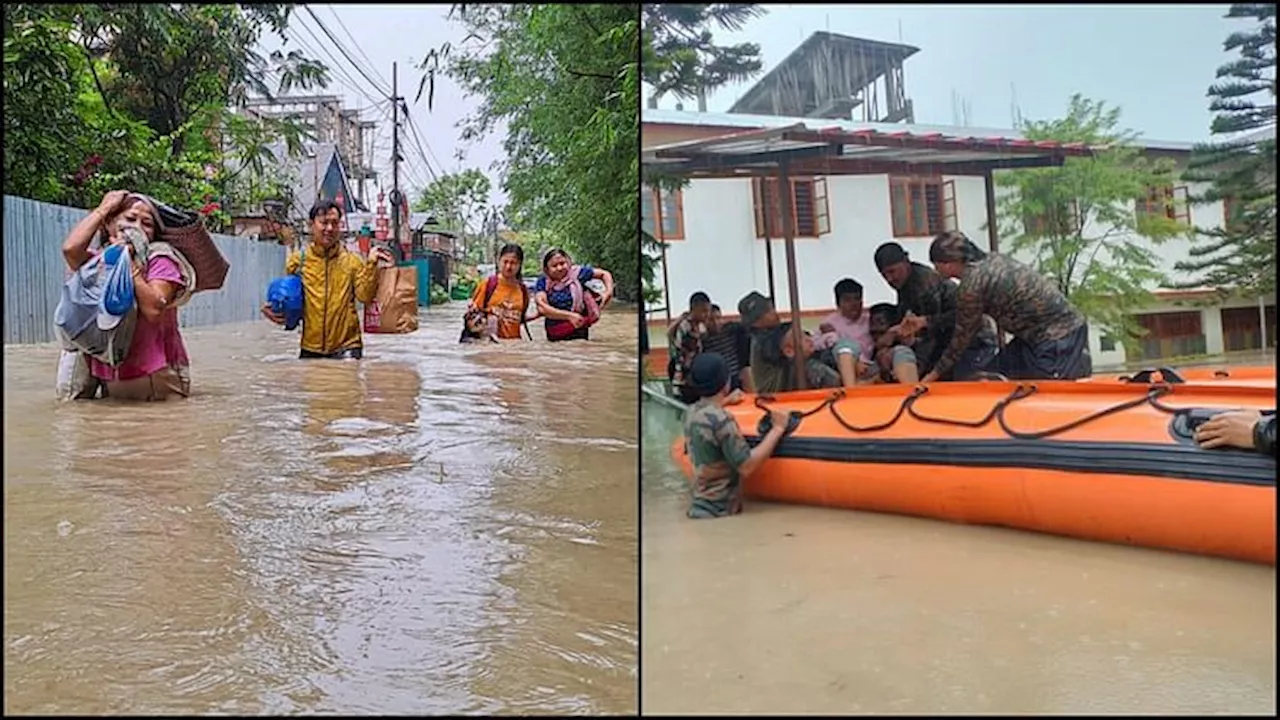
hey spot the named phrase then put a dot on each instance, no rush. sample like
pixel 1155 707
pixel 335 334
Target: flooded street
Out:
pixel 789 609
pixel 437 528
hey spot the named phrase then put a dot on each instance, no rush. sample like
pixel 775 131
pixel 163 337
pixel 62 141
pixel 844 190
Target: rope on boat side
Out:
pixel 997 411
pixel 1149 398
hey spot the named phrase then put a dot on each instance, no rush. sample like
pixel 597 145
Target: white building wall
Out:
pixel 722 257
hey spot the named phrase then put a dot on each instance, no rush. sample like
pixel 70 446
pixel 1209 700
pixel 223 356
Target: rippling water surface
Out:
pixel 436 528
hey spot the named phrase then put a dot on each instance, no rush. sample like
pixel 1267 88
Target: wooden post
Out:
pixel 662 243
pixel 993 234
pixel 768 241
pixel 793 288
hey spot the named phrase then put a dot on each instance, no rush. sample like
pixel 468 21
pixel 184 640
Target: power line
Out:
pixel 350 83
pixel 417 140
pixel 338 44
pixel 372 65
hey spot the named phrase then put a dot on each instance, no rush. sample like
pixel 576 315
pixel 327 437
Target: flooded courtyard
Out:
pixel 437 528
pixel 803 610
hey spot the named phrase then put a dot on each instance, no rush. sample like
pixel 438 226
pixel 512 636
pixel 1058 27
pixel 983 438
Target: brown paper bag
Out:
pixel 397 300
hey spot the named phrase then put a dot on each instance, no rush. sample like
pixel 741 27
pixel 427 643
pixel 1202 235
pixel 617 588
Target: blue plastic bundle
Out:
pixel 284 294
pixel 117 295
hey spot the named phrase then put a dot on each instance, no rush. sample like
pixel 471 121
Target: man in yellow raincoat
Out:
pixel 333 279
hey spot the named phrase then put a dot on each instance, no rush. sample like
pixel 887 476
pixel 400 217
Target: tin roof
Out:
pixel 745 121
pixel 838 150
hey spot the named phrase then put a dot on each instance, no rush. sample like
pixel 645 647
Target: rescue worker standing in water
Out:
pixel 333 279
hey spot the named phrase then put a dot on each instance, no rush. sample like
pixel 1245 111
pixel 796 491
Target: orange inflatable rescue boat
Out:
pixel 1106 461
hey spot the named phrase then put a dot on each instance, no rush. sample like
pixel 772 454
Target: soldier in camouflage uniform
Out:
pixel 721 457
pixel 1051 338
pixel 930 301
pixel 772 367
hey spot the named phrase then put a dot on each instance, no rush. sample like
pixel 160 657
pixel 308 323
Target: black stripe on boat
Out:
pixel 1144 459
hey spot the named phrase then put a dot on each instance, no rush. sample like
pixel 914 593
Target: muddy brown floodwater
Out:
pixel 789 609
pixel 436 528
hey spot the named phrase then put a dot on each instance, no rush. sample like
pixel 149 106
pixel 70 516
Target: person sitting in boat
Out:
pixel 773 351
pixel 1050 337
pixel 569 307
pixel 721 457
pixel 732 343
pixel 503 297
pixel 684 342
pixel 849 324
pixel 1244 429
pixel 156 366
pixel 333 280
pixel 929 300
pixel 895 359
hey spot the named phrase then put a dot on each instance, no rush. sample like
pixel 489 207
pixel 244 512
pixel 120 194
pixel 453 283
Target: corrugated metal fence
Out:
pixel 34 272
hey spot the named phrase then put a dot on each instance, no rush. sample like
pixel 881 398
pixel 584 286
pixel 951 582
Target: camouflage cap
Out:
pixel 708 374
pixel 954 246
pixel 752 307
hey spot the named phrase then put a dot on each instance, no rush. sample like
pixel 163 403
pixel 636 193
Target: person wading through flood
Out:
pixel 721 457
pixel 156 366
pixel 569 307
pixel 927 313
pixel 1050 337
pixel 333 280
pixel 503 297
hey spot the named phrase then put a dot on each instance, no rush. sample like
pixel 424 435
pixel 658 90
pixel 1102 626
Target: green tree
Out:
pixel 564 79
pixel 459 202
pixel 137 96
pixel 1240 256
pixel 680 55
pixel 44 78
pixel 174 61
pixel 1077 223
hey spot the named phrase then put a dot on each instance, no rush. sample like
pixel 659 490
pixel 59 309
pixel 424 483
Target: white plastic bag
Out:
pixel 73 375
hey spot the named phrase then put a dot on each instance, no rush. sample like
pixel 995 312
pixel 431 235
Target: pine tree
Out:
pixel 680 57
pixel 1240 257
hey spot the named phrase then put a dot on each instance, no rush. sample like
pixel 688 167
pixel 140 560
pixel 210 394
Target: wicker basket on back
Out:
pixel 186 232
pixel 195 243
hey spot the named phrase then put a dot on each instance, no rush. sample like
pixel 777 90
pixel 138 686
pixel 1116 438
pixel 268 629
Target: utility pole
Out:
pixel 396 198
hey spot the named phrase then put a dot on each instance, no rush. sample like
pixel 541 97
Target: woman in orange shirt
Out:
pixel 503 297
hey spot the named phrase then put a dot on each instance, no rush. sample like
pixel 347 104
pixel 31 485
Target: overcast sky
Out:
pixel 379 36
pixel 1154 61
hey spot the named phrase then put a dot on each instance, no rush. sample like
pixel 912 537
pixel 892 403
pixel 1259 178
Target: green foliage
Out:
pixel 101 97
pixel 1240 256
pixel 680 56
pixel 565 81
pixel 458 201
pixel 1078 222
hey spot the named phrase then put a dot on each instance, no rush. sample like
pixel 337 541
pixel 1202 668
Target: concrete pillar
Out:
pixel 1211 325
